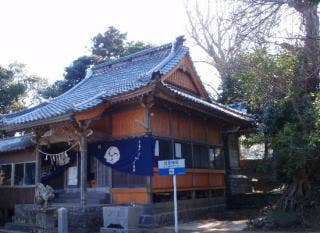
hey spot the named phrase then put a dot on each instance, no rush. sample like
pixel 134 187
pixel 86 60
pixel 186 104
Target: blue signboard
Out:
pixel 171 167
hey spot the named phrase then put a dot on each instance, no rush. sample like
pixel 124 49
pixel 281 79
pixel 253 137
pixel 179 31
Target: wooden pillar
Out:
pixel 38 164
pixel 149 189
pixel 193 192
pixel 83 170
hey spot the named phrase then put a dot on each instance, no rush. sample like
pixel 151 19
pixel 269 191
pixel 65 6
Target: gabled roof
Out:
pixel 15 143
pixel 103 81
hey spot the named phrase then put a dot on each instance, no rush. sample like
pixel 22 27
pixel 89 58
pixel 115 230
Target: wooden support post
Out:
pixel 149 189
pixel 83 174
pixel 109 181
pixel 38 164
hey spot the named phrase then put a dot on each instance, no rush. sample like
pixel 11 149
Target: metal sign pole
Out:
pixel 173 167
pixel 175 204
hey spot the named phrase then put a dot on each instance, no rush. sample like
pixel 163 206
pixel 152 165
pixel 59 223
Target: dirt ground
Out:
pixel 215 226
pixel 234 221
pixel 211 225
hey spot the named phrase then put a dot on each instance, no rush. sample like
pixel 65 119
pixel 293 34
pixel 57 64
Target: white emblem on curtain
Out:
pixel 112 155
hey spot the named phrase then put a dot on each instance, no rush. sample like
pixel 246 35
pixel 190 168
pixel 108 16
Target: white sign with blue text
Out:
pixel 172 167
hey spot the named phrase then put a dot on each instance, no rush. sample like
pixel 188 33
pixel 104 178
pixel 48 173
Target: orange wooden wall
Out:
pixel 198 130
pixel 125 123
pixel 194 179
pixel 180 125
pixel 184 126
pixel 160 122
pixel 214 136
pixel 129 195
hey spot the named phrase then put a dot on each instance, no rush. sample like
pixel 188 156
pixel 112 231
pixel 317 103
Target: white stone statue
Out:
pixel 43 194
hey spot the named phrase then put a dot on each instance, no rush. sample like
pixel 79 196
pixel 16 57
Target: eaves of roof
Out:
pixel 15 143
pixel 220 109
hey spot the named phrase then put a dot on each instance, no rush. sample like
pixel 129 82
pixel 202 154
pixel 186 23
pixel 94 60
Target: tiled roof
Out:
pixel 110 79
pixel 104 80
pixel 15 143
pixel 211 105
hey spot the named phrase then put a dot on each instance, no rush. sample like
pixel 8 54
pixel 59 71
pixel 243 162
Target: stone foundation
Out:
pixel 29 218
pixel 161 214
pixel 33 219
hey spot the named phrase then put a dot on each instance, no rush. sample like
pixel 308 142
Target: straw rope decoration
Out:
pixel 61 158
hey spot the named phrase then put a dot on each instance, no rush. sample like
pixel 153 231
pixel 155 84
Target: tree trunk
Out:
pixel 295 197
pixel 309 67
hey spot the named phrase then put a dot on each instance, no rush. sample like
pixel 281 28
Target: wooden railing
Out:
pixel 194 179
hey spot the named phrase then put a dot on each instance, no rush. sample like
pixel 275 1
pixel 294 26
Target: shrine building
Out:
pixel 99 142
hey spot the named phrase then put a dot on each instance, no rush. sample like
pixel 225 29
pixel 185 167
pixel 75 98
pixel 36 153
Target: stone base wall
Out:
pixel 161 214
pixel 33 219
pixel 29 218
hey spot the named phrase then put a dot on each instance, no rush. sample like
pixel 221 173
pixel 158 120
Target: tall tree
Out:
pixel 109 45
pixel 261 11
pixel 288 118
pixel 212 28
pixel 281 88
pixel 291 123
pixel 244 24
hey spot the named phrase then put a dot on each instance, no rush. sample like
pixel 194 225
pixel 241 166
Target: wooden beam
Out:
pixel 91 113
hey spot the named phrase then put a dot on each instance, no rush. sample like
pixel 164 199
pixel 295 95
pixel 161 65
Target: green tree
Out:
pixel 110 45
pixel 18 89
pixel 10 92
pixel 73 75
pixel 32 83
pixel 245 24
pixel 288 116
